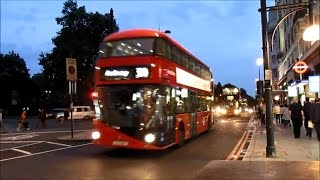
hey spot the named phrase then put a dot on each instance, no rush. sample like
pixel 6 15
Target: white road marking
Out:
pixel 22 146
pixel 44 152
pixel 20 137
pixel 22 151
pixel 45 132
pixel 8 142
pixel 60 144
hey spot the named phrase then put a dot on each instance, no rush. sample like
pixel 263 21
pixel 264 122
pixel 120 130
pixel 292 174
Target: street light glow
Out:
pixel 259 61
pixel 312 33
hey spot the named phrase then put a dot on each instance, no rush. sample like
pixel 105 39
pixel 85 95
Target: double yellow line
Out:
pixel 234 155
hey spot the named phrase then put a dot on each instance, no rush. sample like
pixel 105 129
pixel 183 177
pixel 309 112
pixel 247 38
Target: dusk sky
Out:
pixel 226 35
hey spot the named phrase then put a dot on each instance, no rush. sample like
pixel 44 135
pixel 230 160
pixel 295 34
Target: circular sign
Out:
pixel 71 69
pixel 300 67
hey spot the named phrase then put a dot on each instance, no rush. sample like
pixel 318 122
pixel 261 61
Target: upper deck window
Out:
pixel 127 47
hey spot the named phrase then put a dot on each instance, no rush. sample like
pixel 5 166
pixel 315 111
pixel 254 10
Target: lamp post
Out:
pixel 259 62
pixel 270 148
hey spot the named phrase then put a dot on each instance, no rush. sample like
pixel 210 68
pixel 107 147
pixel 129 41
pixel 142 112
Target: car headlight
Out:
pixel 149 138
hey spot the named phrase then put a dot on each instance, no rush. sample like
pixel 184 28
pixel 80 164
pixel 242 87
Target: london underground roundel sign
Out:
pixel 300 67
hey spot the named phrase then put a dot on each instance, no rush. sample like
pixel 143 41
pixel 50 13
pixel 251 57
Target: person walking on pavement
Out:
pixel 315 116
pixel 0 117
pixel 23 123
pixel 42 118
pixel 277 114
pixel 307 117
pixel 65 116
pixel 263 119
pixel 296 113
pixel 286 116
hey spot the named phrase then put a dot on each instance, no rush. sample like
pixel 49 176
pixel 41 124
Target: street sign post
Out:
pixel 71 65
pixel 71 72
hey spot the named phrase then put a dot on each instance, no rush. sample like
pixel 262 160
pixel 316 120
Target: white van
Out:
pixel 79 112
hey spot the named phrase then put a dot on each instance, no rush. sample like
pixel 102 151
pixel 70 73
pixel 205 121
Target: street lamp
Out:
pixel 259 62
pixel 312 33
pixel 270 148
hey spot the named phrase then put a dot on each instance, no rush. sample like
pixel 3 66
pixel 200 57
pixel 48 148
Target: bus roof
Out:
pixel 137 33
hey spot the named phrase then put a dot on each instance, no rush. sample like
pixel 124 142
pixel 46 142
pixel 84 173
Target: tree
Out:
pixel 15 81
pixel 79 38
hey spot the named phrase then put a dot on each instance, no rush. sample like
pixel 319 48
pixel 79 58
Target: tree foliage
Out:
pixel 79 38
pixel 15 81
pixel 13 67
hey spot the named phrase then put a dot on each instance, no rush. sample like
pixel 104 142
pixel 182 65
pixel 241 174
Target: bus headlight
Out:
pixel 149 138
pixel 95 135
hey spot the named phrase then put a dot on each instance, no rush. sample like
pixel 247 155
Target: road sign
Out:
pixel 300 67
pixel 71 65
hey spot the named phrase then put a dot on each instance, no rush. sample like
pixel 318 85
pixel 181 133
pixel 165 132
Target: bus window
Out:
pixel 191 64
pixel 160 48
pixel 202 71
pixel 168 50
pixel 127 47
pixel 197 68
pixel 184 60
pixel 175 54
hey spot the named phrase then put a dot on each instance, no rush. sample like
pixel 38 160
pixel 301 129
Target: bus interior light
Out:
pixel 142 72
pixel 149 138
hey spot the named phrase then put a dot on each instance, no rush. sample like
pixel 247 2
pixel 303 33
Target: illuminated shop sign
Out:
pixel 314 84
pixel 120 73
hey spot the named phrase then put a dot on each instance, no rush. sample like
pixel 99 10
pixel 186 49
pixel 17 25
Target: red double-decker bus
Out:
pixel 150 92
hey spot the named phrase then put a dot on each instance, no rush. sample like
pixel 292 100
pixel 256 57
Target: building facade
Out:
pixel 289 48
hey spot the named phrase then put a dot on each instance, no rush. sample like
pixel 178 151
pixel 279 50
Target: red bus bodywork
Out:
pixel 162 72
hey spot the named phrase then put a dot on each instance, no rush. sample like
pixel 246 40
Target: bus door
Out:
pixel 168 106
pixel 193 113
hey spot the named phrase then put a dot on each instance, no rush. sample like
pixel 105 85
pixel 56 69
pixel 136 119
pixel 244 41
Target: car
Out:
pixel 231 111
pixel 54 112
pixel 79 112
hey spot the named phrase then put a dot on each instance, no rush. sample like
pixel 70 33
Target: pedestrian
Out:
pixel 0 117
pixel 277 113
pixel 315 116
pixel 281 113
pixel 286 119
pixel 23 123
pixel 307 117
pixel 42 118
pixel 65 116
pixel 296 113
pixel 264 110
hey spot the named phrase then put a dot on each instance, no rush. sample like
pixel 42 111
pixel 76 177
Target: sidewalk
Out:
pixel 287 147
pixel 296 159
